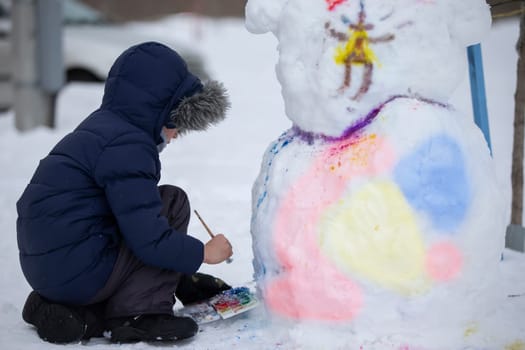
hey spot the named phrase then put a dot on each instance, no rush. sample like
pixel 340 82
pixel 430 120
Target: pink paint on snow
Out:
pixel 311 286
pixel 444 261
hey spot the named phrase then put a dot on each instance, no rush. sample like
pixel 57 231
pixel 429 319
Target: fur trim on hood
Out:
pixel 201 110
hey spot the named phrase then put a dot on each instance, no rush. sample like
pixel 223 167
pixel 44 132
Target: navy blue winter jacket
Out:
pixel 98 186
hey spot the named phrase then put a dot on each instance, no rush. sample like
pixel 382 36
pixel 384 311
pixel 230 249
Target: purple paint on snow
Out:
pixel 360 124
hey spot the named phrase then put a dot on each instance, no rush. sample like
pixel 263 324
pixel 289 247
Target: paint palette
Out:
pixel 234 301
pixel 227 304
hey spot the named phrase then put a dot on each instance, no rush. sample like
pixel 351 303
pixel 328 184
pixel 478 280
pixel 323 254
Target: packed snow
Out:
pixel 218 169
pixel 371 220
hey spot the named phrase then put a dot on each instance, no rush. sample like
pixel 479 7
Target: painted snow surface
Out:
pixel 381 193
pixel 218 169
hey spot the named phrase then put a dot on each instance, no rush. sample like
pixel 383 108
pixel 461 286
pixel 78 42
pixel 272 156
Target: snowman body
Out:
pixel 378 214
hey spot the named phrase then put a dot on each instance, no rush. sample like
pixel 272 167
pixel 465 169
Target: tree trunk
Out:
pixel 519 117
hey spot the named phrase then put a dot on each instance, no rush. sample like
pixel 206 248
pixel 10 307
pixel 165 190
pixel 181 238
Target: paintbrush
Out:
pixel 229 260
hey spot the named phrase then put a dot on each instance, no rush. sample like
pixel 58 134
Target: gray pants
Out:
pixel 134 288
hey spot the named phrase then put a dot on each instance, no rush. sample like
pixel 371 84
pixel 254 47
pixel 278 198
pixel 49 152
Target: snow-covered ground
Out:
pixel 218 168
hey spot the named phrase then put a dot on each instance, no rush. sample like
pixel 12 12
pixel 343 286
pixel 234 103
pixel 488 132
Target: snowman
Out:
pixel 377 217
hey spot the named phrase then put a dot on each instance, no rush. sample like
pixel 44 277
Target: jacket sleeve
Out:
pixel 127 170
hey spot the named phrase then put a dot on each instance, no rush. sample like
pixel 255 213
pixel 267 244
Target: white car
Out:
pixel 86 30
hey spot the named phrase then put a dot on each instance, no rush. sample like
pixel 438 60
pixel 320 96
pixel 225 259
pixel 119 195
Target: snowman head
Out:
pixel 339 59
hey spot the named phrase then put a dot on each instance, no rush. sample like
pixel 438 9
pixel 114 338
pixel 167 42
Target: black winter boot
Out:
pixel 199 287
pixel 55 323
pixel 155 327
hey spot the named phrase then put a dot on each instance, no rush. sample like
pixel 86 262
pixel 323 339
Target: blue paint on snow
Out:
pixel 434 181
pixel 283 141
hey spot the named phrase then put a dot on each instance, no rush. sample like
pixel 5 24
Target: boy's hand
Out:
pixel 217 250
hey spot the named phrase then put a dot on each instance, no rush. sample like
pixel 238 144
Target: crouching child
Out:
pixel 102 245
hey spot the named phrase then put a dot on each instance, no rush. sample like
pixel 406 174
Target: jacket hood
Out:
pixel 145 83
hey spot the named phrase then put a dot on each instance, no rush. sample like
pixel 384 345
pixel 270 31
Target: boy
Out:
pixel 103 247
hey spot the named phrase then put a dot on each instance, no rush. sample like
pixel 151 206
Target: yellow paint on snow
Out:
pixel 356 49
pixel 373 233
pixel 471 330
pixel 517 345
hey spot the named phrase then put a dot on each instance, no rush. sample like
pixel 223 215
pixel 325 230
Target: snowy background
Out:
pixel 218 168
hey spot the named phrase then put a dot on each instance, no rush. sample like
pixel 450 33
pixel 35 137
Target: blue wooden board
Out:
pixel 477 91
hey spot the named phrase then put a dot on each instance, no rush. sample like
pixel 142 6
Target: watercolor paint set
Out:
pixel 227 304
